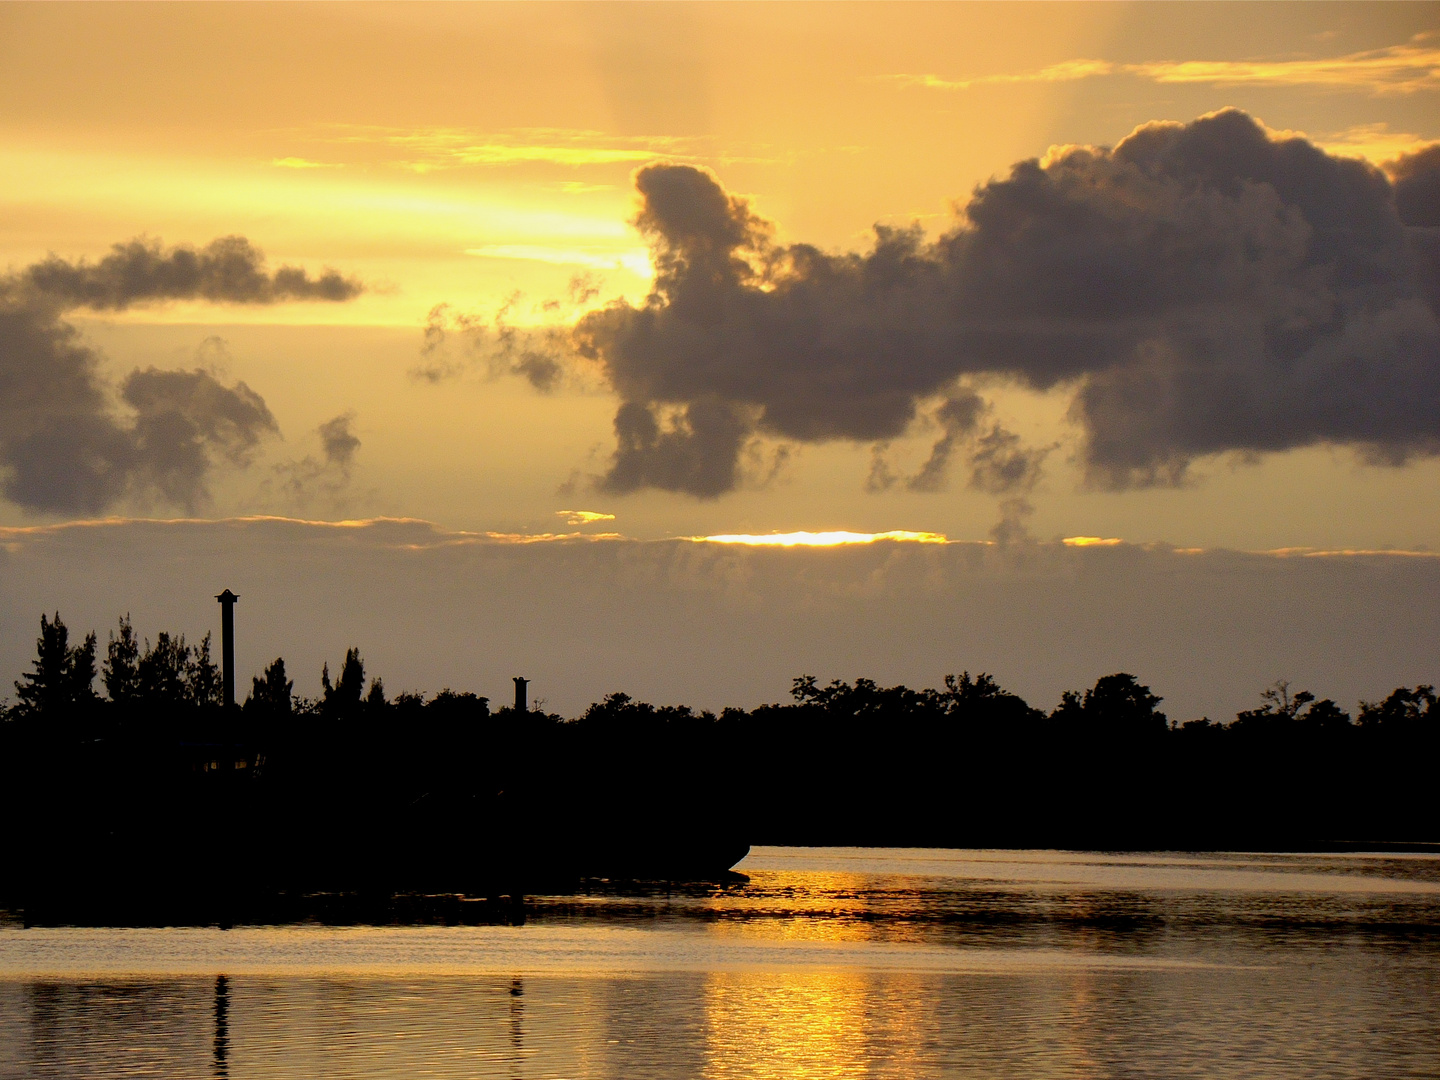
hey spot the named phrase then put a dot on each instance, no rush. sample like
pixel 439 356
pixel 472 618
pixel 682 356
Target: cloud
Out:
pixel 1396 69
pixel 427 149
pixel 228 270
pixel 327 477
pixel 959 417
pixel 182 420
pixel 696 450
pixel 67 446
pixel 1000 463
pixel 1417 186
pixel 302 163
pixel 337 440
pixel 454 341
pixel 1199 289
pixel 72 443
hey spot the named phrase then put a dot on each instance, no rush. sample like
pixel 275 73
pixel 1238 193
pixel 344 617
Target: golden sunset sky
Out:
pixel 474 173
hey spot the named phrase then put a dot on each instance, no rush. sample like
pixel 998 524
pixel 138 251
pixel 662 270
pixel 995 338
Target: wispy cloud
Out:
pixel 426 149
pixel 1067 71
pixel 1397 69
pixel 302 163
pixel 635 260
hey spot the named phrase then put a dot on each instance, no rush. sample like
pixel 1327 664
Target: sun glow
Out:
pixel 823 539
pixel 1091 541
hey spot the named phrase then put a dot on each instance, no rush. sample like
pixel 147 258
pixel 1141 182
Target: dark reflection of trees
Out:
pixel 222 1026
pixel 517 1027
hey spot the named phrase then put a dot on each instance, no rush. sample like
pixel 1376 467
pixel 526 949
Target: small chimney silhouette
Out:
pixel 227 646
pixel 520 694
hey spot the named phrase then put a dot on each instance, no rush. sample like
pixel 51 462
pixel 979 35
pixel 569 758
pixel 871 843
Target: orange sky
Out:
pixel 462 155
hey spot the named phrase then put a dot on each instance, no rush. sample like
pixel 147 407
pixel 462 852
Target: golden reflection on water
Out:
pixel 758 1025
pixel 825 963
pixel 833 906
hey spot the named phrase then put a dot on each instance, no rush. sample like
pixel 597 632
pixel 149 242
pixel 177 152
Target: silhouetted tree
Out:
pixel 162 671
pixel 63 675
pixel 203 685
pixel 121 673
pixel 375 700
pixel 272 693
pixel 389 792
pixel 1404 708
pixel 1117 707
pixel 1282 711
pixel 343 698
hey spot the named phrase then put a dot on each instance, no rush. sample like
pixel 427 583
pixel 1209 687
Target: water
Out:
pixel 829 962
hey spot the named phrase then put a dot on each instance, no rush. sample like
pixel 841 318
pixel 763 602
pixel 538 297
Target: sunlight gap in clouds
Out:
pixel 822 539
pixel 1375 143
pixel 421 534
pixel 583 517
pixel 1398 69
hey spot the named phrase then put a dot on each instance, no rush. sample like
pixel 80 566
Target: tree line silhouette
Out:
pixel 156 787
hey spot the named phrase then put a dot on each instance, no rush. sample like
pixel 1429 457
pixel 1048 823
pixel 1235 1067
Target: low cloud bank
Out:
pixel 1200 288
pixel 229 270
pixel 69 442
pixel 732 623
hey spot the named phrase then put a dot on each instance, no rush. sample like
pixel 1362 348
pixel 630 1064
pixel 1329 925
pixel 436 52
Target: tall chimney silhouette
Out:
pixel 227 646
pixel 520 694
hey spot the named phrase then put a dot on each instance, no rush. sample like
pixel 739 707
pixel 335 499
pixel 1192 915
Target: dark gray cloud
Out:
pixel 183 421
pixel 227 270
pixel 1417 200
pixel 1417 186
pixel 959 417
pixel 66 446
pixel 72 443
pixel 324 479
pixel 455 341
pixel 1201 288
pixel 697 451
pixel 337 441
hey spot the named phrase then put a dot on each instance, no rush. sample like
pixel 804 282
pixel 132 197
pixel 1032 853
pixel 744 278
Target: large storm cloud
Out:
pixel 71 443
pixel 1200 288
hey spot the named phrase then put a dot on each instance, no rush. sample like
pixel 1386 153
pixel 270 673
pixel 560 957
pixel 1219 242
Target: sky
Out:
pixel 546 294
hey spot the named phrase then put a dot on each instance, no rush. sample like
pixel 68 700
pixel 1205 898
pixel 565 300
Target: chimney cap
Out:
pixel 227 597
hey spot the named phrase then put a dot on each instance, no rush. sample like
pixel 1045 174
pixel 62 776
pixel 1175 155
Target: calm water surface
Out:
pixel 828 962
